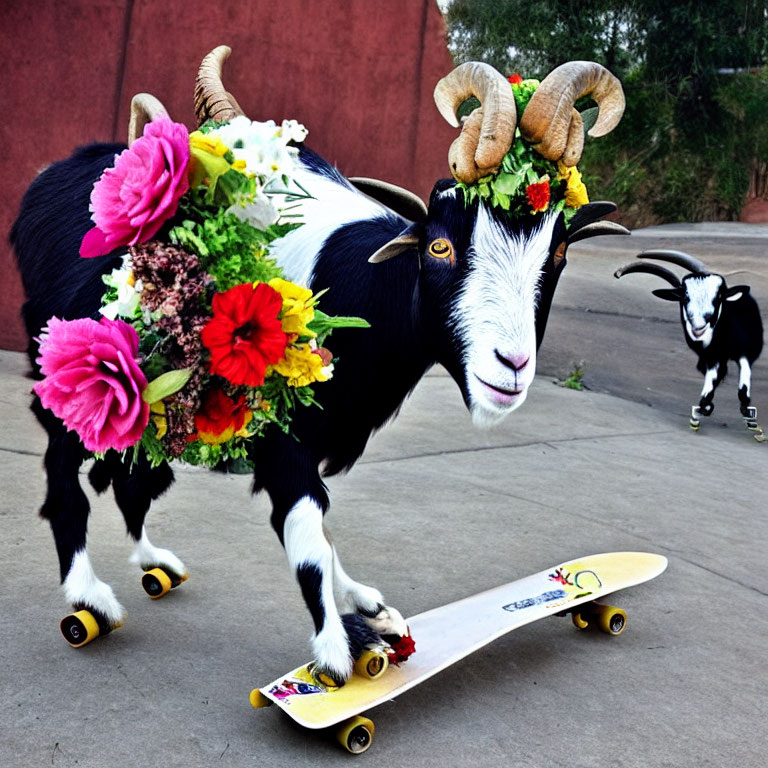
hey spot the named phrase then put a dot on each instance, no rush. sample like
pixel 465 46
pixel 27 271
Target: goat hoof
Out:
pixel 694 425
pixel 159 581
pixel 372 664
pixel 83 626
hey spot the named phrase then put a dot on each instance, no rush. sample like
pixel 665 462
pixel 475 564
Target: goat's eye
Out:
pixel 441 249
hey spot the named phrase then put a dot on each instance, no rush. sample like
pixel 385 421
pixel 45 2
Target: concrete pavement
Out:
pixel 435 511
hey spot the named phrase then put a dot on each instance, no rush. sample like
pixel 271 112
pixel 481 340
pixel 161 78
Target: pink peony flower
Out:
pixel 133 199
pixel 93 382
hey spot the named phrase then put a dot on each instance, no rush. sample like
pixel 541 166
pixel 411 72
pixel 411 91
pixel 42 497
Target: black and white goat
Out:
pixel 463 285
pixel 719 324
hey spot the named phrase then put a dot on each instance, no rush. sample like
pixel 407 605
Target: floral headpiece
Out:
pixel 527 182
pixel 518 151
pixel 202 343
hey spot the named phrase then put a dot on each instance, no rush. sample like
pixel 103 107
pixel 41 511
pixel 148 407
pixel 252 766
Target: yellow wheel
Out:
pixel 156 583
pixel 259 700
pixel 372 664
pixel 79 628
pixel 611 619
pixel 579 621
pixel 355 734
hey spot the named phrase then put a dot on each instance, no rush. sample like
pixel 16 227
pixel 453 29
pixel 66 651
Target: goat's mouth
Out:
pixel 699 332
pixel 500 395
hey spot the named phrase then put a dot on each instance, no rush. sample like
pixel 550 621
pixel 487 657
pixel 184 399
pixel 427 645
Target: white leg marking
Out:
pixel 146 555
pixel 82 586
pixel 305 544
pixel 352 596
pixel 709 380
pixel 745 374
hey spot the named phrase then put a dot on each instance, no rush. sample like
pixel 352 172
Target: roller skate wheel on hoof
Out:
pixel 328 682
pixel 259 700
pixel 79 628
pixel 356 734
pixel 372 664
pixel 156 583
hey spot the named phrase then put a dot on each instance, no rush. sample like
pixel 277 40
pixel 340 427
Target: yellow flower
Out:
pixel 301 366
pixel 207 142
pixel 157 410
pixel 575 193
pixel 297 308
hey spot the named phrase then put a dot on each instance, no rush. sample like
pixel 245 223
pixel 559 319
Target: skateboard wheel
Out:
pixel 259 700
pixel 156 583
pixel 80 628
pixel 579 621
pixel 610 619
pixel 356 734
pixel 372 664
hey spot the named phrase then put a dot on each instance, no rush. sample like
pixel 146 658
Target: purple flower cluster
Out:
pixel 173 286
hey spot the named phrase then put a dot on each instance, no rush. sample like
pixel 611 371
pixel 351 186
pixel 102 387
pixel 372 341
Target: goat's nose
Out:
pixel 516 361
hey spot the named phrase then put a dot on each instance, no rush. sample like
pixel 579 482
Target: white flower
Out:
pixel 128 292
pixel 259 213
pixel 292 130
pixel 263 146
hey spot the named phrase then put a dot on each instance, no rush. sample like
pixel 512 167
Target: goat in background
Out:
pixel 719 324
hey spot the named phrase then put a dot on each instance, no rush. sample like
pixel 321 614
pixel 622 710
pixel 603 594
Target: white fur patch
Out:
pixel 147 555
pixel 745 374
pixel 352 596
pixel 332 206
pixel 305 544
pixel 709 380
pixel 701 293
pixel 82 586
pixel 496 313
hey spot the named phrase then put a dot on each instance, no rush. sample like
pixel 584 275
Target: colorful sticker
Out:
pixel 302 684
pixel 575 584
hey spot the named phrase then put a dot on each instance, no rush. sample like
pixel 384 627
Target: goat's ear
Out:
pixel 669 294
pixel 407 239
pixel 736 292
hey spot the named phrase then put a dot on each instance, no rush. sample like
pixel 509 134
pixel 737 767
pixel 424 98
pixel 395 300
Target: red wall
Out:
pixel 358 73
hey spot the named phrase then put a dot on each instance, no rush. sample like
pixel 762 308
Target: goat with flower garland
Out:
pixel 217 355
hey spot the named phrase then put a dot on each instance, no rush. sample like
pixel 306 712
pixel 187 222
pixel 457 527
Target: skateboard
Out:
pixel 447 634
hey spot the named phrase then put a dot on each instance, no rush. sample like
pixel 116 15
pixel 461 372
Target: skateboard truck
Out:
pixel 695 421
pixel 750 422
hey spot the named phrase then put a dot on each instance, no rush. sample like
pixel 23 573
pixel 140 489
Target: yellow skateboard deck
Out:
pixel 447 634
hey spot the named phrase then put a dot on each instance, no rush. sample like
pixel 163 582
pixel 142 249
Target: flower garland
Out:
pixel 202 344
pixel 527 182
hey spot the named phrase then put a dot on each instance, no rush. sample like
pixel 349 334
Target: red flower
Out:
pixel 401 650
pixel 245 335
pixel 515 79
pixel 538 195
pixel 221 417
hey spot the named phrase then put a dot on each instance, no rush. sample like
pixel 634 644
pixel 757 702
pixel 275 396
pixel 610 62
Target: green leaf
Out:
pixel 508 183
pixel 589 117
pixel 165 384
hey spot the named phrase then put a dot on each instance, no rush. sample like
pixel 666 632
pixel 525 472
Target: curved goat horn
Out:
pixel 547 119
pixel 488 133
pixel 691 263
pixel 144 109
pixel 212 100
pixel 651 269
